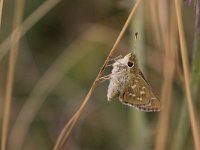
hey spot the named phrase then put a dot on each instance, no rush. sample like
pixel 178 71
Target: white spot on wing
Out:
pixel 132 94
pixel 133 87
pixel 142 92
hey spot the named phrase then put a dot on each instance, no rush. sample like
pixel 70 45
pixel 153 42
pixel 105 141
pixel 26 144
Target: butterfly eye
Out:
pixel 130 64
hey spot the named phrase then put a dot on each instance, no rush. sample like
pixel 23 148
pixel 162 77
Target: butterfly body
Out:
pixel 129 85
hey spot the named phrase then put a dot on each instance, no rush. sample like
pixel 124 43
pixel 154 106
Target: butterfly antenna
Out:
pixel 134 44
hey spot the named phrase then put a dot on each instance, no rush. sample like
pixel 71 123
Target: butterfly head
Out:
pixel 130 61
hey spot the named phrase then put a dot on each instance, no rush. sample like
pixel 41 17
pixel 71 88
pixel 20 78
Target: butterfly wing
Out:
pixel 138 93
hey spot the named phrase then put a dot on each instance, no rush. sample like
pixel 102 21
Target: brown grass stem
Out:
pixel 169 67
pixel 28 23
pixel 182 130
pixel 62 138
pixel 151 5
pixel 191 109
pixel 19 7
pixel 1 10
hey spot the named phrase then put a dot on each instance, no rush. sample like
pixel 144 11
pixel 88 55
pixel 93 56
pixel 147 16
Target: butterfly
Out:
pixel 129 85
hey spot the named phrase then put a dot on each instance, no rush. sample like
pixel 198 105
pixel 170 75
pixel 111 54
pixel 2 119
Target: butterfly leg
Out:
pixel 104 78
pixel 110 76
pixel 109 65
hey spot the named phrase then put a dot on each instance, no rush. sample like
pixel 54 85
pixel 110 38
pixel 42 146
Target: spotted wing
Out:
pixel 138 93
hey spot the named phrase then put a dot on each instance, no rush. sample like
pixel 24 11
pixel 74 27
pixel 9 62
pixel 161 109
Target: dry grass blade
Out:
pixel 169 67
pixel 62 138
pixel 27 24
pixel 1 10
pixel 154 21
pixel 19 7
pixel 186 76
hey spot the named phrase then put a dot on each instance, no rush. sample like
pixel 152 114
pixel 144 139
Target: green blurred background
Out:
pixel 59 58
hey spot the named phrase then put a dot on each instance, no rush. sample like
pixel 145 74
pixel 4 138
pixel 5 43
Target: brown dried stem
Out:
pixel 169 67
pixel 64 135
pixel 186 76
pixel 11 70
pixel 1 10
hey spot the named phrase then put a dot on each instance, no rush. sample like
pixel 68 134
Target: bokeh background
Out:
pixel 60 55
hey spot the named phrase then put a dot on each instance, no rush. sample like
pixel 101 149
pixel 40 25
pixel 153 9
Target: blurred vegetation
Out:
pixel 59 58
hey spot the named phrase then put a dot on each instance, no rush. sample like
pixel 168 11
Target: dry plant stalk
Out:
pixel 1 10
pixel 64 135
pixel 154 22
pixel 19 7
pixel 186 76
pixel 169 67
pixel 161 16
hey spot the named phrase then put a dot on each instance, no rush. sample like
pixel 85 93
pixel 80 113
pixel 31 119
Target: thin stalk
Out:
pixel 19 7
pixel 191 109
pixel 169 67
pixel 1 10
pixel 62 138
pixel 183 126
